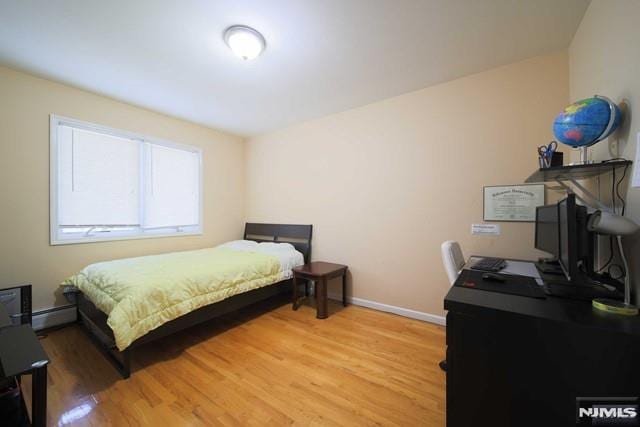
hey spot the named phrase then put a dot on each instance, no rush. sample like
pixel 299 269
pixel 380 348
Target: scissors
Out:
pixel 546 153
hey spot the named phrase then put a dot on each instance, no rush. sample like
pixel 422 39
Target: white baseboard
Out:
pixel 413 314
pixel 51 317
pixel 62 315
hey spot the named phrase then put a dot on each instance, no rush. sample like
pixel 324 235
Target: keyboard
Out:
pixel 489 264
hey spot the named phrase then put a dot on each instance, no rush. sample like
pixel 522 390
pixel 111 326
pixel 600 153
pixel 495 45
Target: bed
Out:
pixel 108 295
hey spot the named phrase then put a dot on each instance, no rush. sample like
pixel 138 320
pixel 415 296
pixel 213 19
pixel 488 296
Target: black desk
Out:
pixel 21 354
pixel 514 360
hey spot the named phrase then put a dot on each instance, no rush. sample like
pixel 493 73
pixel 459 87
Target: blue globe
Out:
pixel 586 122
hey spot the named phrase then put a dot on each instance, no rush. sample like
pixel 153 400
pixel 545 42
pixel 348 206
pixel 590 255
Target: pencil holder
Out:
pixel 557 159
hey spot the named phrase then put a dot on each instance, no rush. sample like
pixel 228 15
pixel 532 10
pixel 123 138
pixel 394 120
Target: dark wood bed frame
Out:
pixel 95 321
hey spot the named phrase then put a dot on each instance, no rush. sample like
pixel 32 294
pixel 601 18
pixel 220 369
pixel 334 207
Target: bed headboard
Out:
pixel 298 235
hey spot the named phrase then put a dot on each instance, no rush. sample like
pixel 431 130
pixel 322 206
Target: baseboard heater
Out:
pixel 55 316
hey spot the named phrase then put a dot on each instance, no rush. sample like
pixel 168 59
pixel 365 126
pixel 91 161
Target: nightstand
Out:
pixel 320 273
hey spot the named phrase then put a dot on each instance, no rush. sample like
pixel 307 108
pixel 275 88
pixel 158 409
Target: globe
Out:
pixel 587 121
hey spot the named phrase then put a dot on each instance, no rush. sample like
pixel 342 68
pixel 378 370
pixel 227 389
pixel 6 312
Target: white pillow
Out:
pixel 240 245
pixel 272 246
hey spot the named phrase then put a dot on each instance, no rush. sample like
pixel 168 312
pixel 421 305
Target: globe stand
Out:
pixel 584 156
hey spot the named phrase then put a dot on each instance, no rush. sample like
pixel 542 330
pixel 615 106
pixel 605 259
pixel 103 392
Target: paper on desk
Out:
pixel 519 268
pixel 522 268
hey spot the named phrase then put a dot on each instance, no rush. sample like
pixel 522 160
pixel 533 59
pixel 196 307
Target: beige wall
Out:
pixel 604 60
pixel 383 184
pixel 25 254
pixel 386 183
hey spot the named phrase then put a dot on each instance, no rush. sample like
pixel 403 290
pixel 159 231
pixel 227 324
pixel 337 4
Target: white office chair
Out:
pixel 453 261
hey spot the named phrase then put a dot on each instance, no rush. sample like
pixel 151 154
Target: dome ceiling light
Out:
pixel 244 41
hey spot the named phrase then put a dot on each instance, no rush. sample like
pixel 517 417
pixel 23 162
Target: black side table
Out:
pixel 22 354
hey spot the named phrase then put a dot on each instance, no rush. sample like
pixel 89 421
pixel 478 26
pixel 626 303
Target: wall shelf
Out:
pixel 576 171
pixel 565 175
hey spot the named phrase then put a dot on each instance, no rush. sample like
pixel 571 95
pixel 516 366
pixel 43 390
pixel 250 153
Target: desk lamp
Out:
pixel 610 224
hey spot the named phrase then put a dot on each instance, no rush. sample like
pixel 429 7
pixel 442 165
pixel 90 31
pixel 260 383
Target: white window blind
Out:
pixel 108 184
pixel 99 179
pixel 172 196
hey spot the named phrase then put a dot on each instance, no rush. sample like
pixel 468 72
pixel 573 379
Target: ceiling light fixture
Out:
pixel 244 41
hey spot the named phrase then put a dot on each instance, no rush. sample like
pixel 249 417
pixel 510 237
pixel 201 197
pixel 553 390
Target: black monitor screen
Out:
pixel 568 245
pixel 547 229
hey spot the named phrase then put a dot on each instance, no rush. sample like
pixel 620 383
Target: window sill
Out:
pixel 55 241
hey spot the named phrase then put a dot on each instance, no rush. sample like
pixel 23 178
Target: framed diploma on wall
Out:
pixel 512 202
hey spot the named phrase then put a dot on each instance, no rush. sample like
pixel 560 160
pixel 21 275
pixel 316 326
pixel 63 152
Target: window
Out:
pixel 108 184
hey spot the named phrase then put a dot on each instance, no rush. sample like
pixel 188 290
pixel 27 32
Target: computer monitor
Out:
pixel 568 237
pixel 586 241
pixel 576 249
pixel 546 236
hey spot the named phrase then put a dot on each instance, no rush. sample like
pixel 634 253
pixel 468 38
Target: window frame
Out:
pixel 139 233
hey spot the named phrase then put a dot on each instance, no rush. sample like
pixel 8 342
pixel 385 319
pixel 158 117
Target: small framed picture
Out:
pixel 512 202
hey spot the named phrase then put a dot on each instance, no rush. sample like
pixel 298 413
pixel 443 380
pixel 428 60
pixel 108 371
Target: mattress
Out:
pixel 140 294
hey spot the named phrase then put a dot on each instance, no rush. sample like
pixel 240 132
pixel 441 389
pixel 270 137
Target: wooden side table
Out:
pixel 320 273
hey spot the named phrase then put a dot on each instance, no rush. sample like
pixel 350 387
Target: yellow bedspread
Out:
pixel 141 294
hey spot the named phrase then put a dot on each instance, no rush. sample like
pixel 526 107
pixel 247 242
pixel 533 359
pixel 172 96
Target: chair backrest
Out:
pixel 452 259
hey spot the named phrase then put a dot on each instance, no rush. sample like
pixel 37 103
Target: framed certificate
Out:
pixel 512 202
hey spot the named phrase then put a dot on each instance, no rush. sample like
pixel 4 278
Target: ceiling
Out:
pixel 322 56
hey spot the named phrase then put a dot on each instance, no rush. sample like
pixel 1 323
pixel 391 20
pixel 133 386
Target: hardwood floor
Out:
pixel 265 365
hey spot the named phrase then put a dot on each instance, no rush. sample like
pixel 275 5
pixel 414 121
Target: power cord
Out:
pixel 615 193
